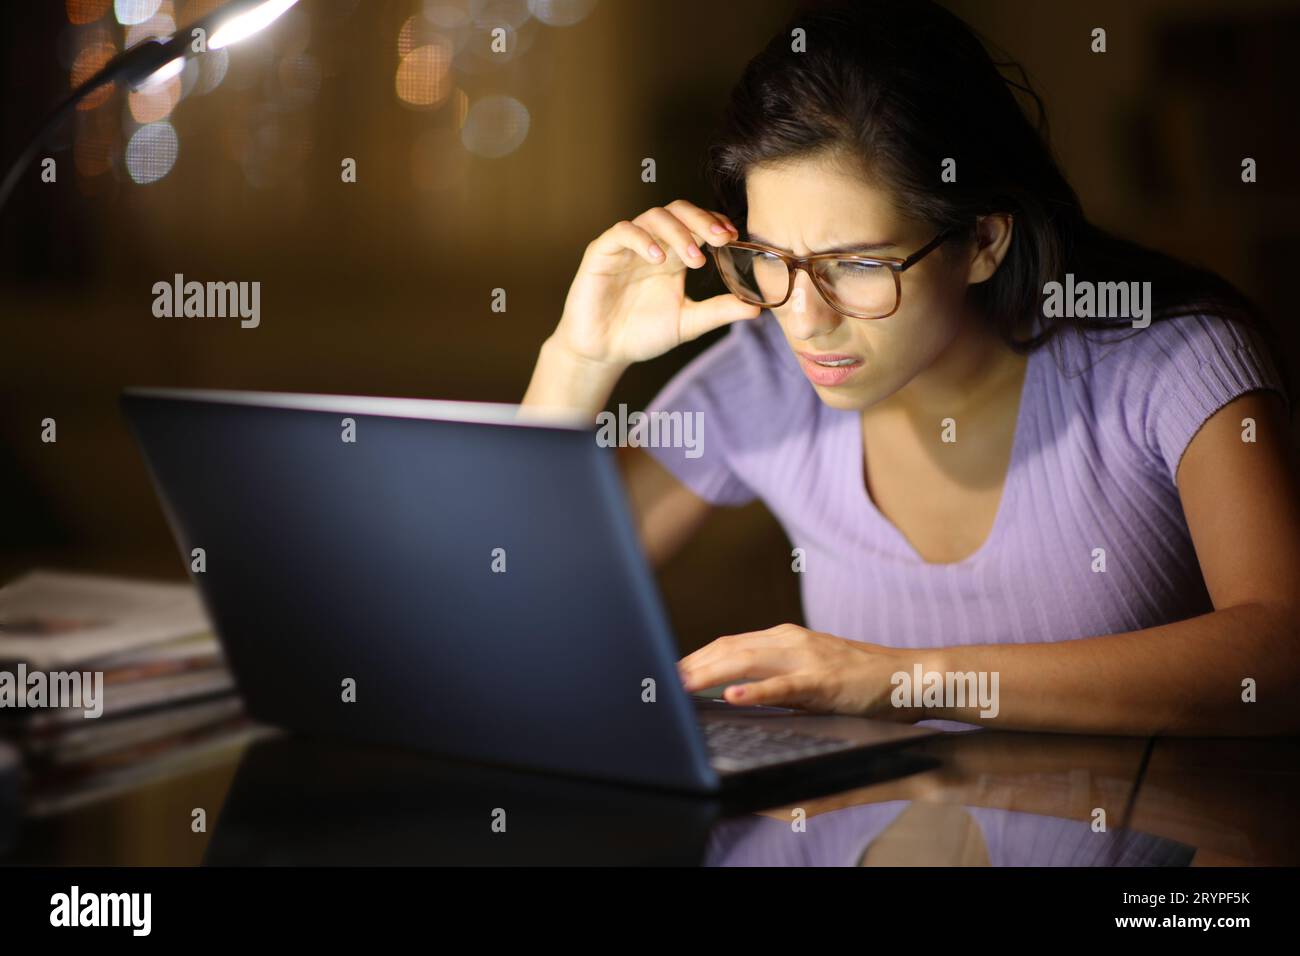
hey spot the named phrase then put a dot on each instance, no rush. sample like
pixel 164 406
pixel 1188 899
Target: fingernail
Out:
pixel 718 229
pixel 694 252
pixel 738 692
pixel 655 251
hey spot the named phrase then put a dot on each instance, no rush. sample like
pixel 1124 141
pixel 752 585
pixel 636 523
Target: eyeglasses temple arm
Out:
pixel 925 250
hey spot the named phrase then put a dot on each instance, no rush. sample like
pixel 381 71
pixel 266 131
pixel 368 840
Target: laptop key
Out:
pixel 734 746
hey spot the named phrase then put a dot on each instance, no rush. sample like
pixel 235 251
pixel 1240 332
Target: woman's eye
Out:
pixel 857 268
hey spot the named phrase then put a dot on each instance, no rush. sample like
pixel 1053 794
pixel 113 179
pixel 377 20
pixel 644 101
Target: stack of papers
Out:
pixel 144 651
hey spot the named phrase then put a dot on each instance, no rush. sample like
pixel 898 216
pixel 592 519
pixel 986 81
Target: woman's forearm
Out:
pixel 564 381
pixel 1183 678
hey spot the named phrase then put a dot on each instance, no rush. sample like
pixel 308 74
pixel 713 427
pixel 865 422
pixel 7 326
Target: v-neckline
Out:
pixel 1006 502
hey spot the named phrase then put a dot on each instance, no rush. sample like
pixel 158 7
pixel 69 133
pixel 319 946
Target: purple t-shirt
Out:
pixel 1102 425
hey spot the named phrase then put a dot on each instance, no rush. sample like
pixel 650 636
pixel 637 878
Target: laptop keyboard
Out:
pixel 744 746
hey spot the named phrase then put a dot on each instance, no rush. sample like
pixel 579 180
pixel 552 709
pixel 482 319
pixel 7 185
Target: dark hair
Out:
pixel 897 86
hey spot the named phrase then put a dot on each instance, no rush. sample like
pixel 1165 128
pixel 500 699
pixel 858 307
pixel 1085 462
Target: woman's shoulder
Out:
pixel 1195 351
pixel 1157 384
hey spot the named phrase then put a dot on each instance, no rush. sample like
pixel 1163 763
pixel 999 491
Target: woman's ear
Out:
pixel 992 240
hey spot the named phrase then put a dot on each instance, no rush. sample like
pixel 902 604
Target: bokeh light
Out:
pixel 424 75
pixel 495 126
pixel 86 11
pixel 560 13
pixel 156 101
pixel 131 12
pixel 416 31
pixel 90 60
pixel 161 24
pixel 478 57
pixel 459 106
pixel 212 70
pixel 152 152
pixel 96 140
pixel 447 14
pixel 486 14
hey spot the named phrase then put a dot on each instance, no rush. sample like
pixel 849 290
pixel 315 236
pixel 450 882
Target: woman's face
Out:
pixel 811 206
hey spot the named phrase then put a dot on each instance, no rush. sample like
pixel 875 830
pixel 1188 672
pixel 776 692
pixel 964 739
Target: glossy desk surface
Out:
pixel 973 799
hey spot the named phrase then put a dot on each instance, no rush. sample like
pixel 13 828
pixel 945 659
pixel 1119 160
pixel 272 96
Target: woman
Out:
pixel 982 472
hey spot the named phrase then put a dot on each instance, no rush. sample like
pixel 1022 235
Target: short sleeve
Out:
pixel 732 391
pixel 1181 371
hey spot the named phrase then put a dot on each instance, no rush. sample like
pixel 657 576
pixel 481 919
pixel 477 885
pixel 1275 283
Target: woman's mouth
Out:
pixel 829 368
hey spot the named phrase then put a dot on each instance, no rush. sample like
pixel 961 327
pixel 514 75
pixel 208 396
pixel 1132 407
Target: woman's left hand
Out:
pixel 791 666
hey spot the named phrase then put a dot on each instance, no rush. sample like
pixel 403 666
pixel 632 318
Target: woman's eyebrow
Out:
pixel 848 247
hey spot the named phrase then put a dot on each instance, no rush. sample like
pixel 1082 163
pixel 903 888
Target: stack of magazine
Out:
pixel 156 696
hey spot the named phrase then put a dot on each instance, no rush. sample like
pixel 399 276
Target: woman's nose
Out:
pixel 807 315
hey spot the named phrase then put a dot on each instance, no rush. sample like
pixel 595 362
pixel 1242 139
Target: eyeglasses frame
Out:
pixel 794 263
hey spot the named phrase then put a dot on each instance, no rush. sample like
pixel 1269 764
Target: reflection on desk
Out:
pixel 981 799
pixel 909 833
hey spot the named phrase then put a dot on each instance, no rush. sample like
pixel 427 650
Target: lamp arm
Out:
pixel 132 67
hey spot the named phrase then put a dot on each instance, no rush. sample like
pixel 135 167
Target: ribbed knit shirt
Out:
pixel 1103 421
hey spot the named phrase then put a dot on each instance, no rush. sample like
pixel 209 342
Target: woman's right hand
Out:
pixel 628 303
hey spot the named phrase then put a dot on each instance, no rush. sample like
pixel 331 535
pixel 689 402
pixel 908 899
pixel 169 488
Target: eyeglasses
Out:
pixel 861 287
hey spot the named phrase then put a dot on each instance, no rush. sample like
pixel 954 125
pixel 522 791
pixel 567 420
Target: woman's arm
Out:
pixel 665 511
pixel 1240 502
pixel 1184 678
pixel 1242 505
pixel 565 381
pixel 627 303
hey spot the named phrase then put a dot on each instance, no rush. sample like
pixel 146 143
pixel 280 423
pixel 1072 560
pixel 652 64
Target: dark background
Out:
pixel 384 286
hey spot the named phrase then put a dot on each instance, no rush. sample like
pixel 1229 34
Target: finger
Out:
pixel 747 664
pixel 674 234
pixel 785 690
pixel 717 646
pixel 730 643
pixel 712 227
pixel 709 314
pixel 628 235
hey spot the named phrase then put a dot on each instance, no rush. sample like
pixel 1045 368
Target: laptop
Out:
pixel 458 578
